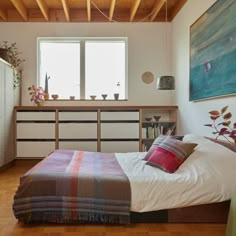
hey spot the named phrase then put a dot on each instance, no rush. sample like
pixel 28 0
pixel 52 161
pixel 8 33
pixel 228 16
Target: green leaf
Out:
pixel 223 110
pixel 227 116
pixel 214 113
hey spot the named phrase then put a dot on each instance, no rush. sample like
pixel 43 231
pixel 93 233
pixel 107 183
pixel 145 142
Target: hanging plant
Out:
pixel 13 56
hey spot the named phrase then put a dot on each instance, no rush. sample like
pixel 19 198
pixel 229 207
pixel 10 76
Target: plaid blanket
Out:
pixel 74 186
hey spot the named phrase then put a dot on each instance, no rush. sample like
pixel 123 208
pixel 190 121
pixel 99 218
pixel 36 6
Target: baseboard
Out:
pixel 7 166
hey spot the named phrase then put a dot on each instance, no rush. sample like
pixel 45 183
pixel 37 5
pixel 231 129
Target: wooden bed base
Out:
pixel 208 213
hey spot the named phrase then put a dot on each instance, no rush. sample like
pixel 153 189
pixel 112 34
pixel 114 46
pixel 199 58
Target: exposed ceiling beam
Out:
pixel 43 8
pixel 112 8
pixel 134 9
pixel 20 8
pixel 157 7
pixel 66 9
pixel 176 9
pixel 3 15
pixel 89 10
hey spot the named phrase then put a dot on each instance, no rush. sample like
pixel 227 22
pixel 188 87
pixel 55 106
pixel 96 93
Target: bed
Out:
pixel 199 191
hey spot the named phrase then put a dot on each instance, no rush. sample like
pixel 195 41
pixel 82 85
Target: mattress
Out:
pixel 207 176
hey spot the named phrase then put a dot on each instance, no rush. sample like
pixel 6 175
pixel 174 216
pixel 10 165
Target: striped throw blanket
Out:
pixel 74 187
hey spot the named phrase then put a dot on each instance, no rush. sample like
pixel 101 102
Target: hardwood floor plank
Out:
pixel 9 226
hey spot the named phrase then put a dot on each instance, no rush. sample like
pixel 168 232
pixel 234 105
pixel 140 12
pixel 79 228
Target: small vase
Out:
pixel 116 96
pixel 39 104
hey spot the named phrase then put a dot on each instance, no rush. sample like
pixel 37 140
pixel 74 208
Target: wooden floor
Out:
pixel 9 226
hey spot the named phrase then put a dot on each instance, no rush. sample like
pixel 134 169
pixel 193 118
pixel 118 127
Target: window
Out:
pixel 82 67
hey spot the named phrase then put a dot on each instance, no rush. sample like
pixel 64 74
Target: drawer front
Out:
pixel 119 115
pixel 36 130
pixel 34 149
pixel 83 146
pixel 35 115
pixel 78 130
pixel 119 130
pixel 77 115
pixel 120 146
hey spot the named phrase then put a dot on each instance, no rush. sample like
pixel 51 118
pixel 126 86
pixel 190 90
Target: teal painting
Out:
pixel 213 52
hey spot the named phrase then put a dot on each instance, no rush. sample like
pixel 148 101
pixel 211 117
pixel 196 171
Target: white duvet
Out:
pixel 207 176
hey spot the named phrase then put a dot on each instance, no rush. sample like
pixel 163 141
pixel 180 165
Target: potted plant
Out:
pixel 222 124
pixel 46 95
pixel 11 54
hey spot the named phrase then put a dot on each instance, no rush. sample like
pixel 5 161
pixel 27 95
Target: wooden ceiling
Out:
pixel 89 10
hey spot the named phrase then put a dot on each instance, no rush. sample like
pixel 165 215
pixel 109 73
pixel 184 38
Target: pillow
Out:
pixel 229 145
pixel 170 154
pixel 157 142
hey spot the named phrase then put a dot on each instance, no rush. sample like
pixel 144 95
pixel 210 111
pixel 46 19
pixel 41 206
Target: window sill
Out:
pixel 86 100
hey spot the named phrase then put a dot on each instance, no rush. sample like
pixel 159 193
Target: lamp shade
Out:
pixel 166 82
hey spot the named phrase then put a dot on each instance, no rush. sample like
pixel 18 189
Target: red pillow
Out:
pixel 157 142
pixel 171 154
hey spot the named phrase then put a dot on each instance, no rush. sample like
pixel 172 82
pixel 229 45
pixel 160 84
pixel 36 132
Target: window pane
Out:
pixel 61 61
pixel 105 68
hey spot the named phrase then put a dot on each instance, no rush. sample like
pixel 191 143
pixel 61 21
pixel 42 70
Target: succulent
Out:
pixel 46 83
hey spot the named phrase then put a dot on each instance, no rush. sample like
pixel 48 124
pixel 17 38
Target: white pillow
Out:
pixel 193 138
pixel 213 161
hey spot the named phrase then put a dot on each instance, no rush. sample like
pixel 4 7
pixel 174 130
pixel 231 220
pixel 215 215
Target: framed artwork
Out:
pixel 213 52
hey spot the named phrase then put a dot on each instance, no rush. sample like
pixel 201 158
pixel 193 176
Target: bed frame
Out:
pixel 208 213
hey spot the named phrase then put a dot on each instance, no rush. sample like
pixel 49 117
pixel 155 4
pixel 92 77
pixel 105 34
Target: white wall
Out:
pixel 192 115
pixel 148 50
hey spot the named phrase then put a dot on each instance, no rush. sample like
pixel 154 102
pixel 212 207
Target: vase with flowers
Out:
pixel 37 95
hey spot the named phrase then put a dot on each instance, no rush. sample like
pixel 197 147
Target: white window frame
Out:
pixel 82 41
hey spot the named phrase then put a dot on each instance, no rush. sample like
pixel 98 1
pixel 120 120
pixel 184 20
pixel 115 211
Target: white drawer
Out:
pixel 34 149
pixel 120 130
pixel 83 146
pixel 78 130
pixel 35 130
pixel 35 115
pixel 77 115
pixel 120 146
pixel 119 115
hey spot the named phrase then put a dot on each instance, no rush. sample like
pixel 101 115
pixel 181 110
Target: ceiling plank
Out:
pixel 134 9
pixel 157 7
pixel 3 15
pixel 43 8
pixel 112 8
pixel 20 8
pixel 89 10
pixel 176 9
pixel 66 9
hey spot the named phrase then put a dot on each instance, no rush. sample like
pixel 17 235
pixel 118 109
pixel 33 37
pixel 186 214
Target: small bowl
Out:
pixel 93 97
pixel 72 97
pixel 55 96
pixel 104 96
pixel 148 119
pixel 157 118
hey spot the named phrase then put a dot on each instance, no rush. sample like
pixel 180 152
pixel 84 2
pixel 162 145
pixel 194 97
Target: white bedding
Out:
pixel 207 176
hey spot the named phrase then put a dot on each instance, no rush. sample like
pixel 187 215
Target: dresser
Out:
pixel 40 130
